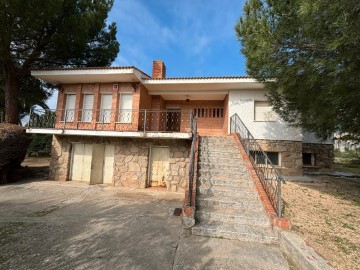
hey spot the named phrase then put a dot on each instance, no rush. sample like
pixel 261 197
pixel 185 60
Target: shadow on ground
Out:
pixel 93 229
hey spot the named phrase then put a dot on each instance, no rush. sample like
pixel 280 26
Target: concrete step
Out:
pixel 248 199
pixel 205 202
pixel 222 174
pixel 256 212
pixel 243 183
pixel 216 139
pixel 218 147
pixel 221 160
pixel 221 191
pixel 236 231
pixel 220 154
pixel 231 216
pixel 220 165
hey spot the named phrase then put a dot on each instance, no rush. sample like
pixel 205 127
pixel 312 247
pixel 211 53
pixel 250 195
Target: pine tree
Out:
pixel 43 34
pixel 307 53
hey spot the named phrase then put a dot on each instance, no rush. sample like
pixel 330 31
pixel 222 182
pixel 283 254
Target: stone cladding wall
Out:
pixel 290 152
pixel 131 159
pixel 324 157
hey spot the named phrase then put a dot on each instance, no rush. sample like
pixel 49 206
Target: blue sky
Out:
pixel 193 37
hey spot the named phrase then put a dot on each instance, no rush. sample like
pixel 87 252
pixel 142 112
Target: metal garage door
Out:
pixel 93 164
pixel 81 162
pixel 108 169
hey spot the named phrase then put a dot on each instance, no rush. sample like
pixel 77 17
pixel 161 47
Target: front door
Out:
pixel 173 120
pixel 159 166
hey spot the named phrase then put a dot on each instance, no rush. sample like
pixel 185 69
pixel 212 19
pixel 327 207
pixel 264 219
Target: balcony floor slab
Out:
pixel 106 133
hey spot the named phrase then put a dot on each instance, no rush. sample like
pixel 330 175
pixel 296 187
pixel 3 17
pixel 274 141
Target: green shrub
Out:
pixel 40 143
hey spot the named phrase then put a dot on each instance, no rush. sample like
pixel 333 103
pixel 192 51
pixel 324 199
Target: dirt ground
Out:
pixel 326 213
pixel 34 162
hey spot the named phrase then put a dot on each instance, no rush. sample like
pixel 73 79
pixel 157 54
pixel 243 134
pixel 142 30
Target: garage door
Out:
pixel 97 164
pixel 93 163
pixel 81 162
pixel 108 169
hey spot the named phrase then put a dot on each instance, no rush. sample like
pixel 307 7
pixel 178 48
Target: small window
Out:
pixel 308 159
pixel 274 157
pixel 260 158
pixel 263 111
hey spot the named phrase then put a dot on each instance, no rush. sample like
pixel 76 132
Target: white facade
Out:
pixel 242 102
pixel 309 137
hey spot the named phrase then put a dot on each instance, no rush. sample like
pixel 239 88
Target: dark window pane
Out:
pixel 274 157
pixel 306 158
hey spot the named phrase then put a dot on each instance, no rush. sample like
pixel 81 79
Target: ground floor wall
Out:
pixel 323 157
pixel 291 156
pixel 131 160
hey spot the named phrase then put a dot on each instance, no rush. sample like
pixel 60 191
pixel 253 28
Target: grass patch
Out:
pixel 348 226
pixel 356 203
pixel 328 221
pixel 347 168
pixel 345 245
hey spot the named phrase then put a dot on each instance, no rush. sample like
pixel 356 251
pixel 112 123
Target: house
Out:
pixel 120 126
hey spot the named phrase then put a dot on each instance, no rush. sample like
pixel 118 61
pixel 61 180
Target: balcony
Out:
pixel 114 123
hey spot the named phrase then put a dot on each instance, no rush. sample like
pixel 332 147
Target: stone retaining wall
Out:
pixel 324 157
pixel 131 159
pixel 290 152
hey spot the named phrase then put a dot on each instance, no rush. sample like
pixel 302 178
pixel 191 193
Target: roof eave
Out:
pixel 106 75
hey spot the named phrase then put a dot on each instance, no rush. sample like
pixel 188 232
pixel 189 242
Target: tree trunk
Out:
pixel 11 98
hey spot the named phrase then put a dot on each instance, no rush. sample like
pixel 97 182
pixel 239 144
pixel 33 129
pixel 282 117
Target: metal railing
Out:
pixel 269 176
pixel 113 120
pixel 192 161
pixel 209 112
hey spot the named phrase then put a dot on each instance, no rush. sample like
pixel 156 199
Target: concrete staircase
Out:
pixel 227 203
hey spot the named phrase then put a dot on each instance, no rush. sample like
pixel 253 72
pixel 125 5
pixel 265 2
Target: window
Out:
pixel 86 114
pixel 105 108
pixel 69 108
pixel 260 158
pixel 263 111
pixel 308 159
pixel 125 110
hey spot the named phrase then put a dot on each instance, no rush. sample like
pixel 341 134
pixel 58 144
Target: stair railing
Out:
pixel 192 159
pixel 268 175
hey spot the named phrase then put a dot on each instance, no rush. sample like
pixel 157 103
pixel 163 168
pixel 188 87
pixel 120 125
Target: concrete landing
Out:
pixel 196 252
pixel 70 225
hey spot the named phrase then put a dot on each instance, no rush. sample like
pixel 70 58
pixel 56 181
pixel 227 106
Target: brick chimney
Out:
pixel 159 69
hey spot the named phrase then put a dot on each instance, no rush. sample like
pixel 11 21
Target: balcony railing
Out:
pixel 269 176
pixel 114 120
